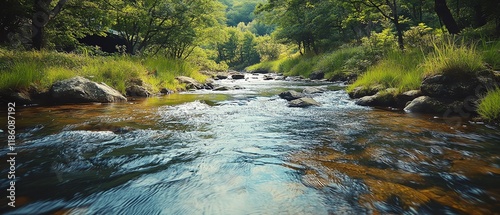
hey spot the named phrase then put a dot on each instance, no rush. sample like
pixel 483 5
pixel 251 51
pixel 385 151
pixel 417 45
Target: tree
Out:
pixel 163 24
pixel 390 9
pixel 12 14
pixel 445 15
pixel 303 22
pixel 42 15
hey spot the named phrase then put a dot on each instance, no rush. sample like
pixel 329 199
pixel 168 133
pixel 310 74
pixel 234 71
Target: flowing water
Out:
pixel 246 152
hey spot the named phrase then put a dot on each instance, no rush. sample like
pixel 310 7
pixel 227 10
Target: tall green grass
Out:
pixel 489 106
pixel 453 59
pixel 398 70
pixel 491 53
pixel 20 70
pixel 346 60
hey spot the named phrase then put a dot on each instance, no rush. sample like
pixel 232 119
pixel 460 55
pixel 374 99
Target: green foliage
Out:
pixel 491 53
pixel 453 59
pixel 268 48
pixel 342 61
pixel 419 36
pixel 398 70
pixel 489 106
pixel 380 42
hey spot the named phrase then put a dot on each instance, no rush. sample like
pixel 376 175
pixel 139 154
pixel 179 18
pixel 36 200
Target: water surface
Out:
pixel 246 152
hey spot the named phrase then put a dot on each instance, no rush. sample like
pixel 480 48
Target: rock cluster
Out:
pixel 296 99
pixel 438 94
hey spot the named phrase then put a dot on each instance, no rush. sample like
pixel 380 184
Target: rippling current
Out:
pixel 246 152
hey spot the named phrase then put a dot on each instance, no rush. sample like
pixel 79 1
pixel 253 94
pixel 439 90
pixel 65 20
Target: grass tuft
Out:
pixel 397 70
pixel 489 106
pixel 452 59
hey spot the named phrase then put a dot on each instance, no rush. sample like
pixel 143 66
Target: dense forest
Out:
pixel 394 43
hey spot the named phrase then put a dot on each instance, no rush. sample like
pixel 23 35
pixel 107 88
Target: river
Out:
pixel 246 152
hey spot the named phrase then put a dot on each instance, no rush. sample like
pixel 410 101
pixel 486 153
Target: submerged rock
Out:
pixel 313 90
pixel 303 102
pixel 223 88
pixel 82 90
pixel 291 95
pixel 237 76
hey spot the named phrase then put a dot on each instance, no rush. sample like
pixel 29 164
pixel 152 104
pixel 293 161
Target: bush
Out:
pixel 489 106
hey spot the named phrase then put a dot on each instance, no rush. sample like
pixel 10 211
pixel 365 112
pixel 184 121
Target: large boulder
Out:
pixel 82 90
pixel 383 98
pixel 426 104
pixel 317 75
pixel 303 102
pixel 446 87
pixel 291 95
pixel 189 82
pixel 313 90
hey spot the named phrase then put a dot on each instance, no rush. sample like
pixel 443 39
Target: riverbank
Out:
pixel 392 78
pixel 31 73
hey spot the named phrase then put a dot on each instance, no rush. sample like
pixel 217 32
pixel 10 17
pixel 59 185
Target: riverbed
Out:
pixel 246 152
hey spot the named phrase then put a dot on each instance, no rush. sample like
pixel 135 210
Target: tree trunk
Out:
pixel 401 43
pixel 38 22
pixel 445 15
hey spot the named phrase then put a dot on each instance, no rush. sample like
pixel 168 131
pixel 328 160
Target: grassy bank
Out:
pixel 20 70
pixel 337 64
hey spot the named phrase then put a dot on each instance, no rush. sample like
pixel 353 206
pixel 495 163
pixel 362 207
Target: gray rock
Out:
pixel 137 91
pixel 313 90
pixel 189 82
pixel 291 95
pixel 267 77
pixel 81 90
pixel 425 104
pixel 223 88
pixel 303 102
pixel 317 75
pixel 408 96
pixel 359 92
pixel 383 98
pixel 279 78
pixel 237 87
pixel 441 86
pixel 222 76
pixel 237 76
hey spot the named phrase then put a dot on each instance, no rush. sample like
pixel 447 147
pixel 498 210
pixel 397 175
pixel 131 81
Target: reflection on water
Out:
pixel 246 152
